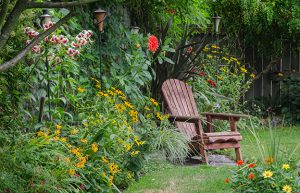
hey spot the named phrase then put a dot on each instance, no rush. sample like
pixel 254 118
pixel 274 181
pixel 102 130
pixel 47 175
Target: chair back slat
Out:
pixel 180 102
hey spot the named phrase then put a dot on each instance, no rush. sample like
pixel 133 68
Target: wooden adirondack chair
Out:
pixel 181 106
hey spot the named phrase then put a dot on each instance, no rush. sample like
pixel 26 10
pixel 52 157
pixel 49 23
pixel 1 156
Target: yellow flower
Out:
pixel 285 166
pixel 280 74
pixel 267 174
pixel 95 147
pixel 114 168
pixel 56 138
pixel 75 151
pixel 80 89
pixel 128 105
pixel 83 141
pixel 57 132
pixel 72 172
pixel 67 160
pixel 98 85
pixel 287 189
pixel 209 56
pixel 105 160
pixel 82 161
pixel 219 77
pixel 159 116
pixel 40 133
pixel 134 115
pixel 140 143
pixel 58 126
pixel 252 75
pixel 127 147
pixel 74 131
pixel 120 107
pixel 154 102
pixel 215 47
pixel 269 160
pixel 244 70
pixel 147 108
pixel 63 139
pixel 103 174
pixel 134 153
pixel 110 182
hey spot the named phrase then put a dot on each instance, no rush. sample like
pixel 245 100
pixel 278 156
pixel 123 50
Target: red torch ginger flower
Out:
pixel 240 162
pixel 152 43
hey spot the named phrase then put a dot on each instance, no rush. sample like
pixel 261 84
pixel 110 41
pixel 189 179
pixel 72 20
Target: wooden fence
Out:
pixel 267 87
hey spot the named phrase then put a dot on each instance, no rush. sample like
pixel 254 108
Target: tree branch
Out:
pixel 17 58
pixel 3 12
pixel 267 69
pixel 11 21
pixel 58 4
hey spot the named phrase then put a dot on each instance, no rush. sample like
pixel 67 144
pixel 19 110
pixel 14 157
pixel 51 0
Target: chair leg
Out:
pixel 238 154
pixel 203 154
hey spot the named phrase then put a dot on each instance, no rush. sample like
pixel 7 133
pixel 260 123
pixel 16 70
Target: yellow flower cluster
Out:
pixel 95 147
pixel 154 102
pixel 80 89
pixel 120 107
pixel 97 82
pixel 81 163
pixel 134 116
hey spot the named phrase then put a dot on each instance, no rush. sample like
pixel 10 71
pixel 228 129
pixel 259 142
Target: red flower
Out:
pixel 251 165
pixel 240 162
pixel 251 176
pixel 212 83
pixel 202 74
pixel 227 180
pixel 152 43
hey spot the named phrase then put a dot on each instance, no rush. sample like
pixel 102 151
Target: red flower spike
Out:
pixel 152 43
pixel 251 176
pixel 227 180
pixel 240 162
pixel 251 165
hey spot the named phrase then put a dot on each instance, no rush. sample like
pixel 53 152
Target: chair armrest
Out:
pixel 224 116
pixel 189 119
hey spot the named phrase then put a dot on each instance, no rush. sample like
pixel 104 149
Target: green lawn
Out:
pixel 205 179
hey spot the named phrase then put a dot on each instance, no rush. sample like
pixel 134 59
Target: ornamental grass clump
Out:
pixel 269 177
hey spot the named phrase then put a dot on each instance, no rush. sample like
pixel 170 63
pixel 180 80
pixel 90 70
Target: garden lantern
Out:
pixel 100 15
pixel 45 18
pixel 135 29
pixel 217 20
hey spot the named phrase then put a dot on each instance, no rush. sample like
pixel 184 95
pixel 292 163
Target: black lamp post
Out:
pixel 100 15
pixel 46 19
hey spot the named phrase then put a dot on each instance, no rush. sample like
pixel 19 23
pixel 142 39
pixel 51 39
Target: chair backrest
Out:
pixel 179 100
